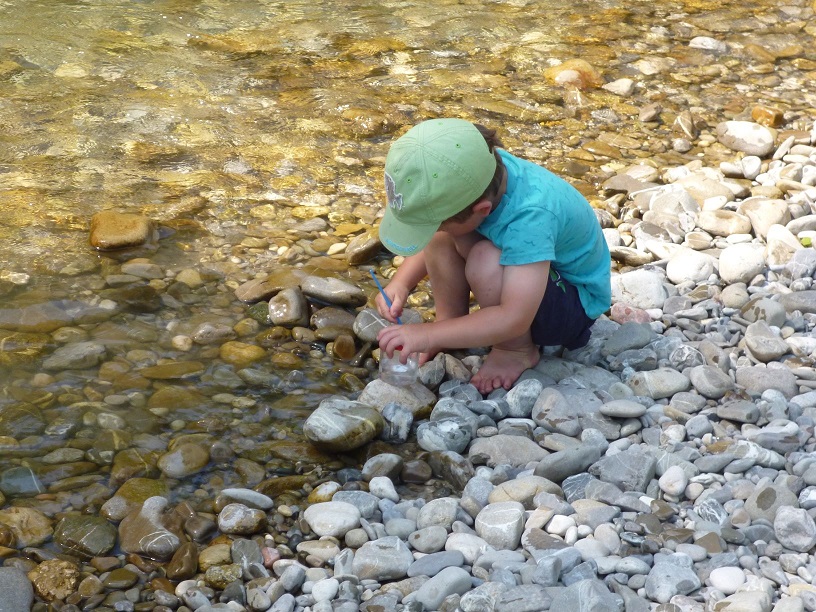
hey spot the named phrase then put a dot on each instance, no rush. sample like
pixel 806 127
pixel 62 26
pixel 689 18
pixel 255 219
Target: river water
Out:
pixel 253 134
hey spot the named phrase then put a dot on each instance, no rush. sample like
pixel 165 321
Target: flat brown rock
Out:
pixel 113 230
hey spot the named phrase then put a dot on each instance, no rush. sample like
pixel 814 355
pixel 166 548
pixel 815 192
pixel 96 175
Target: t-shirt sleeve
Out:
pixel 529 238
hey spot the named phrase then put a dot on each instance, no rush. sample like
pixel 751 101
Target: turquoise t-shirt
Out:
pixel 543 218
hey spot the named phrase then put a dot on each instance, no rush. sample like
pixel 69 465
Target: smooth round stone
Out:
pixel 559 524
pixel 120 578
pixel 384 464
pixel 326 589
pixel 341 425
pixel 334 518
pixel 591 548
pixel 727 579
pixel 693 551
pixel 184 563
pixel 623 409
pixel 143 531
pixel 325 550
pixel 247 497
pixel 355 538
pixel 240 519
pixel 673 481
pixel 446 434
pixel 383 488
pixel 385 559
pixel 501 524
pixel 85 535
pixel 221 576
pixel 470 545
pixel 442 512
pixel 659 383
pixel 400 527
pixel 431 565
pixel 365 502
pixel 449 581
pixel 632 566
pixel 429 539
pixel 323 492
pixel 184 460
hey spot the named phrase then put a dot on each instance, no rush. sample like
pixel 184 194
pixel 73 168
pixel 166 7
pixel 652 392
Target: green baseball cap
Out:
pixel 432 172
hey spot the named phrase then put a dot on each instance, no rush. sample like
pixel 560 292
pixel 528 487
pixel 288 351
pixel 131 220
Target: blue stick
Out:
pixel 382 292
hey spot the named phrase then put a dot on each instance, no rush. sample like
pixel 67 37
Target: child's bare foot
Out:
pixel 502 367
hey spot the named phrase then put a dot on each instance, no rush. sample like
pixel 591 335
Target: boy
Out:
pixel 475 218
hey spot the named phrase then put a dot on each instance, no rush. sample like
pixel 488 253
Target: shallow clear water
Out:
pixel 219 119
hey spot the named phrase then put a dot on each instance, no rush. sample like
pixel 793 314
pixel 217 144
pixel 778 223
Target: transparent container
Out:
pixel 393 372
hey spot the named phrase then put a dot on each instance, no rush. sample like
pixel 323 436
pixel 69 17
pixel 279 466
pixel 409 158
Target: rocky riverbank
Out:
pixel 668 465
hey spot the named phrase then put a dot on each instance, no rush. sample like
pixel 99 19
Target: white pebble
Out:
pixel 559 525
pixel 382 487
pixel 673 481
pixel 727 579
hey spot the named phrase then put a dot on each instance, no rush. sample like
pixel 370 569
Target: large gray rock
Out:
pixel 795 529
pixel 630 470
pixel 17 590
pixel 416 397
pixel 660 383
pixel 387 558
pixel 665 580
pixel 505 449
pixel 501 524
pixel 758 379
pixel 447 582
pixel 341 425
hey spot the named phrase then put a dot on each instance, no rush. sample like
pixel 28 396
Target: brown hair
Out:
pixel 493 187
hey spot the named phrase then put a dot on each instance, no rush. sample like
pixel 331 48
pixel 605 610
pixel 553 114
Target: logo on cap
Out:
pixel 394 198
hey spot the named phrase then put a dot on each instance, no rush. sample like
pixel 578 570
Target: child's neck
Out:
pixel 500 193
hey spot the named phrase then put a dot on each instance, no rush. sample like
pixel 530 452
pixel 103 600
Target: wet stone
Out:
pixel 240 520
pixel 88 536
pixel 333 291
pixel 342 425
pixel 29 526
pixel 219 576
pixel 130 496
pixel 21 420
pixel 142 531
pixel 184 460
pixel 184 562
pixel 18 592
pixel 115 230
pixel 120 578
pixel 20 481
pixel 54 579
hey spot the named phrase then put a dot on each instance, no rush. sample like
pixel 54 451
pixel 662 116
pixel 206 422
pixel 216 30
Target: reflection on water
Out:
pixel 216 119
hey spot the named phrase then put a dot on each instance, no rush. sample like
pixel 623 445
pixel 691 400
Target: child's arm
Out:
pixel 400 286
pixel 522 290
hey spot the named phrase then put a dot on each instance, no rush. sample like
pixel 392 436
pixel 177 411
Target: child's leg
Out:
pixel 445 258
pixel 508 359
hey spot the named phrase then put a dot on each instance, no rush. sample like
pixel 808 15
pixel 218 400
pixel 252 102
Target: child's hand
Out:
pixel 407 339
pixel 398 296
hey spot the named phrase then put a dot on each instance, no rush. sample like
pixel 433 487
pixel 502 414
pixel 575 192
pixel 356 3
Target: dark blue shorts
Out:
pixel 561 319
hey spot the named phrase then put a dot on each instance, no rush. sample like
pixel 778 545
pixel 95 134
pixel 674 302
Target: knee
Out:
pixel 482 261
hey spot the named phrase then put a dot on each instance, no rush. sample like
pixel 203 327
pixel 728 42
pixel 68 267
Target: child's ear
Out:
pixel 483 208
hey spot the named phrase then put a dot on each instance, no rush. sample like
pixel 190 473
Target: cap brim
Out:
pixel 404 239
